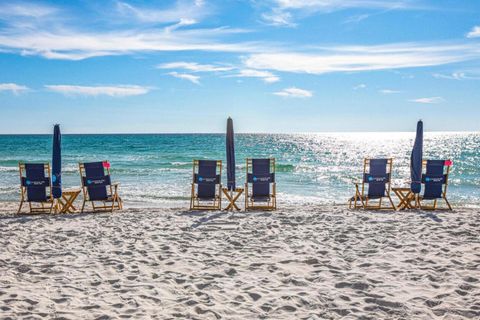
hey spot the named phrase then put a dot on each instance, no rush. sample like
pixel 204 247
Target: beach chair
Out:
pixel 206 186
pixel 435 183
pixel 36 188
pixel 97 187
pixel 261 178
pixel 376 178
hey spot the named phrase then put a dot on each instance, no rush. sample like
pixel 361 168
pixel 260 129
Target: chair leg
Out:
pixel 448 203
pixel 20 207
pixel 83 206
pixel 391 202
pixel 355 199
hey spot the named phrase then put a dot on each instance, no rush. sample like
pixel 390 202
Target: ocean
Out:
pixel 312 168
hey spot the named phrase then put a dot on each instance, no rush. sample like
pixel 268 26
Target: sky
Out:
pixel 131 66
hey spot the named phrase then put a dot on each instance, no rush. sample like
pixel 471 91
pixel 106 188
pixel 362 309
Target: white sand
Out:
pixel 318 263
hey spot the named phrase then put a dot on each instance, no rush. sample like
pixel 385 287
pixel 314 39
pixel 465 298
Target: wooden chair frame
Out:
pixel 23 194
pixel 360 191
pixel 272 201
pixel 114 198
pixel 195 202
pixel 434 206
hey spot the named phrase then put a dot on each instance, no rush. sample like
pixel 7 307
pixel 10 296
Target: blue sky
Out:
pixel 273 65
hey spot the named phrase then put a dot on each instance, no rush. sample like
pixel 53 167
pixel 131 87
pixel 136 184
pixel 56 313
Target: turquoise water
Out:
pixel 311 168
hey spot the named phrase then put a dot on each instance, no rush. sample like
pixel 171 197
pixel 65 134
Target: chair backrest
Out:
pixel 36 181
pixel 434 178
pixel 262 175
pixel 206 178
pixel 377 177
pixel 96 180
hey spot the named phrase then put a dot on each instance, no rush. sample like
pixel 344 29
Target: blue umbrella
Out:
pixel 416 160
pixel 57 162
pixel 230 156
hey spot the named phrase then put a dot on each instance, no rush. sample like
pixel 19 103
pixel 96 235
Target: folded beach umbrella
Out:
pixel 57 162
pixel 416 160
pixel 230 156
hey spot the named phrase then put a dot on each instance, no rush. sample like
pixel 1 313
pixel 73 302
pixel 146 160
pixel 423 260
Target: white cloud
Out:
pixel 294 93
pixel 474 33
pixel 360 86
pixel 10 10
pixel 13 87
pixel 333 5
pixel 365 58
pixel 278 18
pixel 55 34
pixel 266 76
pixel 190 77
pixel 281 10
pixel 430 100
pixel 112 91
pixel 456 76
pixel 194 67
pixel 73 45
pixel 187 12
pixel 388 91
pixel 357 18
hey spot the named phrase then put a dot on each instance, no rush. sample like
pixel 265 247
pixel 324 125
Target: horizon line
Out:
pixel 223 132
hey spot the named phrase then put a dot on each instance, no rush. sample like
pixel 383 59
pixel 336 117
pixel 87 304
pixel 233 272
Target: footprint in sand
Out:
pixel 384 303
pixel 470 279
pixel 356 286
pixel 231 272
pixel 254 296
pixel 287 308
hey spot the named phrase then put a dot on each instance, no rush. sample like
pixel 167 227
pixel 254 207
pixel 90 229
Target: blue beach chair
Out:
pixel 261 178
pixel 97 187
pixel 36 188
pixel 377 176
pixel 206 185
pixel 435 183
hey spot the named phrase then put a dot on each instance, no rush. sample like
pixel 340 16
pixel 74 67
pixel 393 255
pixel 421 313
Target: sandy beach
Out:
pixel 319 263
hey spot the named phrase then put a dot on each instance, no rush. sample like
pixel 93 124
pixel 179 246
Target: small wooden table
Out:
pixel 406 196
pixel 232 197
pixel 65 203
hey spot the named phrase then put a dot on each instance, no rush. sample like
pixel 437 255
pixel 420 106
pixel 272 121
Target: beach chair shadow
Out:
pixel 208 218
pixel 431 216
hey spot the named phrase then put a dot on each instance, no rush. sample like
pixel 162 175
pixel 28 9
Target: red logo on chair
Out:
pixel 106 164
pixel 448 163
